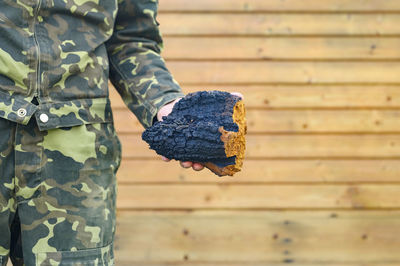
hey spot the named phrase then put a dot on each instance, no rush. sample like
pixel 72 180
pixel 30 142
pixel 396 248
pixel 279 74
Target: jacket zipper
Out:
pixel 38 79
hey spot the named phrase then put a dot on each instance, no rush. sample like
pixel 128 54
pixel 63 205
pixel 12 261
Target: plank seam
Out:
pixel 277 35
pixel 294 60
pixel 197 211
pixel 260 209
pixel 219 182
pixel 290 83
pixel 279 12
pixel 263 158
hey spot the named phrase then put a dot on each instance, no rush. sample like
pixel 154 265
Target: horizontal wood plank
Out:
pixel 296 121
pixel 188 72
pixel 264 171
pixel 279 24
pixel 295 48
pixel 295 146
pixel 264 238
pixel 303 96
pixel 242 48
pixel 238 196
pixel 278 5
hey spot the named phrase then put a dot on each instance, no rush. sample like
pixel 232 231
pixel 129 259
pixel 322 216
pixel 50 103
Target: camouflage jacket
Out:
pixel 63 52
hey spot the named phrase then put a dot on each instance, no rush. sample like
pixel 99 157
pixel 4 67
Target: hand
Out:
pixel 195 166
pixel 164 111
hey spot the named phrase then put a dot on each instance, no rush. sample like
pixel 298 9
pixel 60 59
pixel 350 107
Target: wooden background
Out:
pixel 321 180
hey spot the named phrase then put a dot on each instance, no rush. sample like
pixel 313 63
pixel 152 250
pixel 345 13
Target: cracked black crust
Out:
pixel 191 131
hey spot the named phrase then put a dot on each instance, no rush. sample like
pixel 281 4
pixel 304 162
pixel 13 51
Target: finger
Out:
pixel 197 166
pixel 186 164
pixel 165 159
pixel 238 94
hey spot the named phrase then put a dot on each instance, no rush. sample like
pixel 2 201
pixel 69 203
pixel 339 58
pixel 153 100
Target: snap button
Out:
pixel 44 118
pixel 21 112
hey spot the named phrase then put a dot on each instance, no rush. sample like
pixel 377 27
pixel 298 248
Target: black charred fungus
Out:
pixel 206 127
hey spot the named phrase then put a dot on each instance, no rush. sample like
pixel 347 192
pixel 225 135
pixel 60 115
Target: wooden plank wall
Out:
pixel 321 181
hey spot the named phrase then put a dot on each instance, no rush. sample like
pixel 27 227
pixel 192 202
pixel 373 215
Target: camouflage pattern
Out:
pixel 58 148
pixel 64 51
pixel 57 194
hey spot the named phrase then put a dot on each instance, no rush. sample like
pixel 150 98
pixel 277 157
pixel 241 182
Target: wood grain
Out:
pixel 186 24
pixel 189 72
pixel 237 196
pixel 134 171
pixel 263 238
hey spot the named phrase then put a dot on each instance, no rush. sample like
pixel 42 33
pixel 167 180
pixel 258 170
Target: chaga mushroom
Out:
pixel 208 127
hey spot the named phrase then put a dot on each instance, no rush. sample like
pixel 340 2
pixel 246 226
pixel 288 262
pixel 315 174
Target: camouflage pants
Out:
pixel 57 194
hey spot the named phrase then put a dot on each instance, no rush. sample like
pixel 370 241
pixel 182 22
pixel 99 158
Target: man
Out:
pixel 58 148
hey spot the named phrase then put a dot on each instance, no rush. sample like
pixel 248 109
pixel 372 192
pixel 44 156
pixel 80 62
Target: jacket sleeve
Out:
pixel 137 70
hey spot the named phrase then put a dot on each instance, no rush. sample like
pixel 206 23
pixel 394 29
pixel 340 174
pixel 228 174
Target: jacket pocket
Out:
pixel 73 113
pixel 103 256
